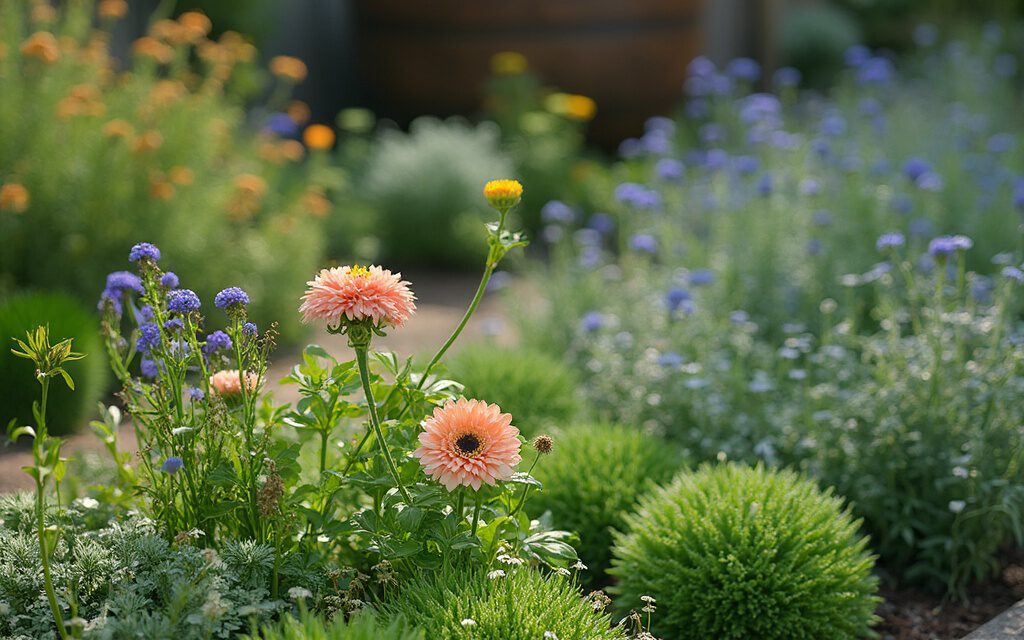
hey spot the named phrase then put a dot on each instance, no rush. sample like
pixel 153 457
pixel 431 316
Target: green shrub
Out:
pixel 365 626
pixel 426 186
pixel 67 410
pixel 738 552
pixel 592 479
pixel 537 389
pixel 521 605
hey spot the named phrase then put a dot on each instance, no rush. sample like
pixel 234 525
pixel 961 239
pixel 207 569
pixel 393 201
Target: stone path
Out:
pixel 441 300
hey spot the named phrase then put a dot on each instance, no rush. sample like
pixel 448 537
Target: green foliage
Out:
pixel 813 39
pixel 363 626
pixel 426 186
pixel 537 389
pixel 592 479
pixel 156 149
pixel 522 604
pixel 737 552
pixel 66 318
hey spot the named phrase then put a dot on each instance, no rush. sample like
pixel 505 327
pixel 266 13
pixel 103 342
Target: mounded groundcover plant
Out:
pixel 513 603
pixel 590 503
pixel 731 551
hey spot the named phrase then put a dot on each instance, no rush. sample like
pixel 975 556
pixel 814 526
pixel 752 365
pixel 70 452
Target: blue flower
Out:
pixel 660 123
pixel 716 159
pixel 876 71
pixel 787 77
pixel 281 124
pixel 856 55
pixel 945 245
pixel 644 242
pixel 676 297
pixel 111 299
pixel 172 465
pixel 760 108
pixel 1001 143
pixel 701 66
pixel 557 211
pixel 739 317
pixel 169 280
pixel 916 167
pixel 890 241
pixel 174 324
pixel 669 169
pixel 637 195
pixel 230 297
pixel 630 148
pixel 810 187
pixel 821 218
pixel 149 368
pixel 1018 197
pixel 930 181
pixel 145 312
pixel 764 185
pixel 183 301
pixel 814 247
pixel 144 251
pixel 122 281
pixel 833 125
pixel 746 165
pixel 670 360
pixel 249 329
pixel 195 394
pixel 217 341
pixel 592 321
pixel 746 69
pixel 656 143
pixel 149 337
pixel 701 277
pixel 1013 273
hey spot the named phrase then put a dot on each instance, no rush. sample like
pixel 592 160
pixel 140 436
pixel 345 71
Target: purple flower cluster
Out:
pixel 144 251
pixel 946 245
pixel 149 337
pixel 231 297
pixel 638 196
pixel 169 280
pixel 890 241
pixel 217 341
pixel 183 301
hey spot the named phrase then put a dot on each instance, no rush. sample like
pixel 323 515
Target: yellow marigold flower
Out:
pixel 41 45
pixel 316 203
pixel 251 185
pixel 503 194
pixel 112 9
pixel 14 197
pixel 298 111
pixel 118 128
pixel 318 136
pixel 43 12
pixel 167 30
pixel 292 150
pixel 195 24
pixel 149 47
pixel 508 63
pixel 149 141
pixel 289 68
pixel 572 105
pixel 181 175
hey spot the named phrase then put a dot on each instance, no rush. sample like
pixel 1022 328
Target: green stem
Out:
pixel 476 510
pixel 461 502
pixel 44 552
pixel 526 489
pixel 364 376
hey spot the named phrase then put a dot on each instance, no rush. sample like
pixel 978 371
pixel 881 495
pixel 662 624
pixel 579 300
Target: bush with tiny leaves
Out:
pixel 364 626
pixel 537 389
pixel 592 479
pixel 513 603
pixel 737 552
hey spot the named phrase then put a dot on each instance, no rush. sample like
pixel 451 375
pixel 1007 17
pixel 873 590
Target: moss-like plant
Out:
pixel 592 479
pixel 737 552
pixel 537 389
pixel 506 604
pixel 364 626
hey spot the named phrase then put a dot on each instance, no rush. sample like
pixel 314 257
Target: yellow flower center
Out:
pixel 359 272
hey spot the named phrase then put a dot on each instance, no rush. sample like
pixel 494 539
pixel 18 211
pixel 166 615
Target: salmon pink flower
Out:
pixel 345 295
pixel 228 383
pixel 468 442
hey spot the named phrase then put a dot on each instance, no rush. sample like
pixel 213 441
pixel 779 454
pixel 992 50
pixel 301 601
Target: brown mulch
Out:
pixel 908 614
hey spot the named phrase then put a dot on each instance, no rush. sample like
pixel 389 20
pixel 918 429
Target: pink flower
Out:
pixel 357 293
pixel 468 442
pixel 228 383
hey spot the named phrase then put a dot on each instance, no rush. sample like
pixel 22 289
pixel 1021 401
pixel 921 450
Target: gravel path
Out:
pixel 441 300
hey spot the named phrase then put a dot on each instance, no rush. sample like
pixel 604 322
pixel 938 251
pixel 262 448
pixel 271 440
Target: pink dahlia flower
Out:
pixel 468 442
pixel 228 383
pixel 358 293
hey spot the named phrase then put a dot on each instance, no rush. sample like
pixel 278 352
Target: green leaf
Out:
pixel 67 378
pixel 409 518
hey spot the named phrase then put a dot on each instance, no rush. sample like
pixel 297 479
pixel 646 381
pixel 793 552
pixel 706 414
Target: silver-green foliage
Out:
pixel 730 551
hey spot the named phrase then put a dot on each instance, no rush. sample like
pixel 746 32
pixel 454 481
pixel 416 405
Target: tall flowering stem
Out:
pixel 502 196
pixel 364 376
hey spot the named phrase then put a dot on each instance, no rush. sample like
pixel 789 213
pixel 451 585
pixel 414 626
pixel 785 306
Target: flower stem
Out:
pixel 526 489
pixel 476 511
pixel 364 376
pixel 44 551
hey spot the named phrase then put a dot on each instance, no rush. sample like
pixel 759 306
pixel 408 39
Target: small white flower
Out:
pixel 510 560
pixel 298 593
pixel 468 622
pixel 956 506
pixel 180 430
pixel 579 566
pixel 648 599
pixel 497 573
pixel 960 472
pixel 550 635
pixel 88 503
pixel 563 572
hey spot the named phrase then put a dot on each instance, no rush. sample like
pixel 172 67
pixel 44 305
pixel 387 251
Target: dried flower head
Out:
pixel 468 442
pixel 543 444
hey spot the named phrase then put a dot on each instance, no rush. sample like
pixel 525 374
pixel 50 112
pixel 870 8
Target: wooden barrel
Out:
pixel 431 57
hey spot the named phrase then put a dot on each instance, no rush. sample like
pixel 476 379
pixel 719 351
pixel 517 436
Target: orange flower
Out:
pixel 149 47
pixel 195 25
pixel 14 197
pixel 469 443
pixel 251 185
pixel 318 136
pixel 166 92
pixel 288 68
pixel 149 141
pixel 159 188
pixel 118 128
pixel 503 194
pixel 316 203
pixel 292 150
pixel 112 9
pixel 181 175
pixel 355 294
pixel 571 105
pixel 41 45
pixel 298 111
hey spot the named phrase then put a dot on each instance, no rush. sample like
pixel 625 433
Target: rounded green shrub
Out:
pixel 592 479
pixel 737 552
pixel 537 389
pixel 522 604
pixel 66 410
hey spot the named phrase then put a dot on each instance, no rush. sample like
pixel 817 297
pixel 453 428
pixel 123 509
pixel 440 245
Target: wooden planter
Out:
pixel 432 57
